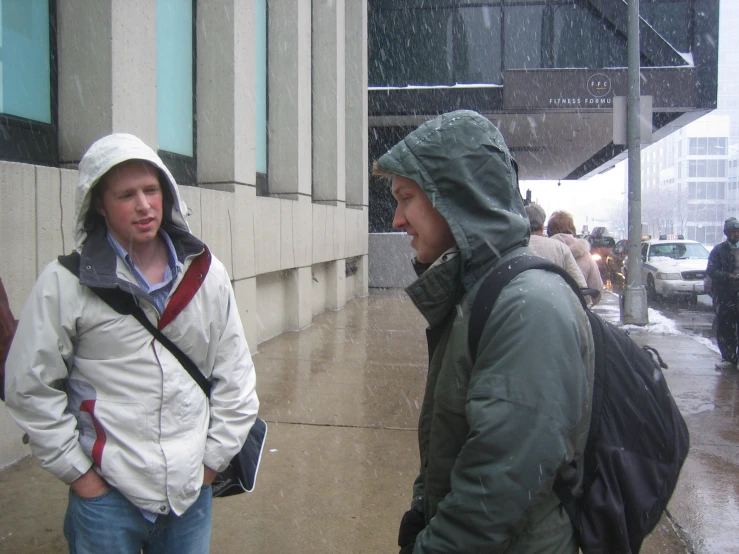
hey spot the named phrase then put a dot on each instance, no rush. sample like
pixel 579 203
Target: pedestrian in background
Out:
pixel 723 269
pixel 495 432
pixel 109 410
pixel 553 250
pixel 561 227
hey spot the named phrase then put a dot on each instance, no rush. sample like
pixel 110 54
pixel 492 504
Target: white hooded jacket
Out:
pixel 93 389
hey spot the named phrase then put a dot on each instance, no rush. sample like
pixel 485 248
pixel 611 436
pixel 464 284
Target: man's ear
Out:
pixel 97 205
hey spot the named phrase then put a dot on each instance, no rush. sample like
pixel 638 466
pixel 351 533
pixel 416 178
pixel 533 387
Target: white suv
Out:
pixel 673 268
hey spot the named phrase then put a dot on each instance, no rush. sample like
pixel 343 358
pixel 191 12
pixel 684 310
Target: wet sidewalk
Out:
pixel 342 399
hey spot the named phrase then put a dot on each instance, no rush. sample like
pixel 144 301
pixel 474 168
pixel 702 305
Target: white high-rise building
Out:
pixel 690 178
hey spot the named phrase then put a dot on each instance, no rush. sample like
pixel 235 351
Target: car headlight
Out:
pixel 596 257
pixel 668 276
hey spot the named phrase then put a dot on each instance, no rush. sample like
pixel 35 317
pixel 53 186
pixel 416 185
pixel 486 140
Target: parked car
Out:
pixel 674 268
pixel 615 260
pixel 600 247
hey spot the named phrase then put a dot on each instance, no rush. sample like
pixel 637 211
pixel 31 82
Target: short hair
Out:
pixel 537 216
pixel 561 222
pixel 377 171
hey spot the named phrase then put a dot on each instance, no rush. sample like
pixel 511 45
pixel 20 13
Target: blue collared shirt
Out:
pixel 159 291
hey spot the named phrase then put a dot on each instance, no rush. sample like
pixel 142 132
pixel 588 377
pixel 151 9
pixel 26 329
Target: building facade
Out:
pixel 545 72
pixel 686 181
pixel 259 107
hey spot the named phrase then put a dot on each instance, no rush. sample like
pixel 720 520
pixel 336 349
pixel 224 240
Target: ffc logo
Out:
pixel 599 85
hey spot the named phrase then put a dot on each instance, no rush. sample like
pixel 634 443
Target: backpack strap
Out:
pixel 483 304
pixel 494 283
pixel 188 287
pixel 125 304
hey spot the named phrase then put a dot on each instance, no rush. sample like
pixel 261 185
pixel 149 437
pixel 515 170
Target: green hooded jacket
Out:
pixel 493 435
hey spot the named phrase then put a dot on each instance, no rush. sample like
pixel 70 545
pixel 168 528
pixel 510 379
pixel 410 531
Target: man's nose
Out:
pixel 142 202
pixel 399 221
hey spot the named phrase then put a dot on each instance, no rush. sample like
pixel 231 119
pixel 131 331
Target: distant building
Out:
pixel 686 184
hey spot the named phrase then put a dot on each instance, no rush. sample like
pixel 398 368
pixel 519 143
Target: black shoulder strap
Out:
pixel 125 304
pixel 494 283
pixel 486 296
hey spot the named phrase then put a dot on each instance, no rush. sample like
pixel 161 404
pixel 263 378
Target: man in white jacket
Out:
pixel 108 409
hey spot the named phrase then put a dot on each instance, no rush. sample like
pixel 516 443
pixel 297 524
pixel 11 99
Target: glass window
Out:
pixel 711 168
pixel 581 39
pixel 175 105
pixel 25 71
pixel 700 146
pixel 28 81
pixel 700 168
pixel 524 38
pixel 671 19
pixel 464 45
pixel 476 46
pixel 394 34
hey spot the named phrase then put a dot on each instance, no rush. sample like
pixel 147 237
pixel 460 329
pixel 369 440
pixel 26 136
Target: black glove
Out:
pixel 412 523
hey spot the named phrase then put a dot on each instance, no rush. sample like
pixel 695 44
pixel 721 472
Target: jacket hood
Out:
pixel 461 162
pixel 110 151
pixel 579 247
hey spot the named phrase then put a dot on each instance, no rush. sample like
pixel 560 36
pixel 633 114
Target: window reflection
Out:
pixel 25 69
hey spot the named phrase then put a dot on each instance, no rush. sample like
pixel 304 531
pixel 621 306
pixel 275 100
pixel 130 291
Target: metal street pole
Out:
pixel 634 301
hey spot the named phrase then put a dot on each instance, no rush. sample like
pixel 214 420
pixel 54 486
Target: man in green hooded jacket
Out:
pixel 494 434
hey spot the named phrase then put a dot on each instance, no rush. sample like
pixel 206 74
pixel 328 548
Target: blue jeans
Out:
pixel 110 523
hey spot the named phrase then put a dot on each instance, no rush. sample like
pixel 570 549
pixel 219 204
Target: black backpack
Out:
pixel 637 441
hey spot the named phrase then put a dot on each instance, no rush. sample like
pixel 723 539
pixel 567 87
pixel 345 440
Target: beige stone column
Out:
pixel 329 143
pixel 300 308
pixel 289 98
pixel 336 284
pixel 226 93
pixel 107 72
pixel 356 104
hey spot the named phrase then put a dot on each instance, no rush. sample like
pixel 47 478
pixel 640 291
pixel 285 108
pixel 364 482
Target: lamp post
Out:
pixel 634 301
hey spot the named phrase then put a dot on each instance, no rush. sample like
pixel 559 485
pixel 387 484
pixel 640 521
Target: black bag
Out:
pixel 637 442
pixel 241 473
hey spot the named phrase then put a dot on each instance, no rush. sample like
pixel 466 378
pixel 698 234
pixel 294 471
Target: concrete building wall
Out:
pixel 286 254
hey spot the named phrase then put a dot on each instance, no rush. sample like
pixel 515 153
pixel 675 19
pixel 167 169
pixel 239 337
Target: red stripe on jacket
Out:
pixel 100 436
pixel 187 288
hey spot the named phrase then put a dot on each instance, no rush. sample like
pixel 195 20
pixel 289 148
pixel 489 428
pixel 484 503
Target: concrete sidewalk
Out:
pixel 342 400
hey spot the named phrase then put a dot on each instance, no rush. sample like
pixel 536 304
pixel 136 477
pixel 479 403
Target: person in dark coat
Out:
pixel 723 269
pixel 494 431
